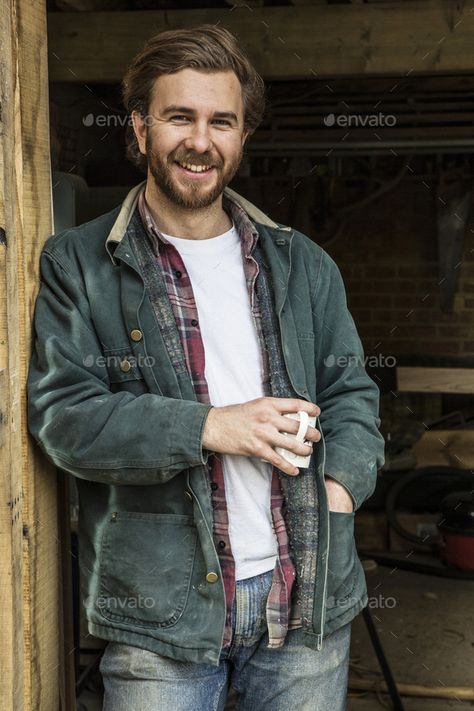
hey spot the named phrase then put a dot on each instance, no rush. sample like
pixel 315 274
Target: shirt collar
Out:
pixel 246 230
pixel 251 213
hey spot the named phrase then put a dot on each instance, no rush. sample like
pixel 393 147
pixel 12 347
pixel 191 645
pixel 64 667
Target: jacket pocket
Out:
pixel 341 563
pixel 124 371
pixel 146 563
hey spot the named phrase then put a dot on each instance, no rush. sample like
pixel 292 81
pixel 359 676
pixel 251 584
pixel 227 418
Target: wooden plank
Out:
pixel 29 653
pixel 436 380
pixel 284 42
pixel 446 448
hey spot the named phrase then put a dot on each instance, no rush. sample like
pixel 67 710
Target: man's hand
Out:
pixel 339 498
pixel 255 428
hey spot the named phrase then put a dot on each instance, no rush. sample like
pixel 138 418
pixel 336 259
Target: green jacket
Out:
pixel 106 405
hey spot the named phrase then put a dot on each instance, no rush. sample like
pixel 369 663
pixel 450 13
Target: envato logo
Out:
pixel 378 602
pixel 112 120
pixel 347 120
pixel 115 360
pixel 134 602
pixel 373 361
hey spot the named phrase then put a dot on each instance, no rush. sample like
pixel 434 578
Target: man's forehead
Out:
pixel 194 88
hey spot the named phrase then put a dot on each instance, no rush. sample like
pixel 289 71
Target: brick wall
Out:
pixel 388 259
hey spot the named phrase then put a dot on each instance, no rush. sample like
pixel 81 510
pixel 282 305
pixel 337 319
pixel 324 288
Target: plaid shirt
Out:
pixel 180 292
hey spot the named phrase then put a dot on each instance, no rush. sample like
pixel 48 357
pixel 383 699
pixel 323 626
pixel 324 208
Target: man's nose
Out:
pixel 199 139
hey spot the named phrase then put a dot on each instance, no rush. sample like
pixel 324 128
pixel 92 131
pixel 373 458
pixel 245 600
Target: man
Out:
pixel 173 334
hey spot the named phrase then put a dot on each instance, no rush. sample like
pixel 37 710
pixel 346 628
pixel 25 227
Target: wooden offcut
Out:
pixel 436 380
pixel 445 448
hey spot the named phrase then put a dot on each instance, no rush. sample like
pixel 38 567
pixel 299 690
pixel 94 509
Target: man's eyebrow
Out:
pixel 174 109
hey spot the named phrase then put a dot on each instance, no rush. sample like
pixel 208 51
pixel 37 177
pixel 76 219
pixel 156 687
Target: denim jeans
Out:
pixel 292 676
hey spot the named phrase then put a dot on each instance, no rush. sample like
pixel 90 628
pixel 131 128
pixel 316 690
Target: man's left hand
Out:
pixel 339 498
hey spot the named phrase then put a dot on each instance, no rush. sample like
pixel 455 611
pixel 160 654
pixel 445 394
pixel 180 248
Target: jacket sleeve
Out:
pixel 84 428
pixel 347 396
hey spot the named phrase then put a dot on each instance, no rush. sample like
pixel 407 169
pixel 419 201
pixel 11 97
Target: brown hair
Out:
pixel 206 48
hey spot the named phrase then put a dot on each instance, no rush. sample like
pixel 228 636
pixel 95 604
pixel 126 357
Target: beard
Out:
pixel 195 195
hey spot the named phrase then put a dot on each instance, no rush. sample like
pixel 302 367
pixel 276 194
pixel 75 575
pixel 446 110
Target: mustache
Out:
pixel 198 160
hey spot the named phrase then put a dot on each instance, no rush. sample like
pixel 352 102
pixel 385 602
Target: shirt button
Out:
pixel 212 577
pixel 221 544
pixel 194 322
pixel 178 274
pixel 214 486
pixel 125 366
pixel 136 335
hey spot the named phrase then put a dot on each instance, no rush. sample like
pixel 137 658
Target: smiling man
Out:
pixel 173 335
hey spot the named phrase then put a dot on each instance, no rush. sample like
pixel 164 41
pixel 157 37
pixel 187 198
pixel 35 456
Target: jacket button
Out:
pixel 212 577
pixel 125 365
pixel 136 335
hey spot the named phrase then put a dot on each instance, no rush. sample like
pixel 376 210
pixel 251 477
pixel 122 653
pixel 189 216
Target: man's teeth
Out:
pixel 196 168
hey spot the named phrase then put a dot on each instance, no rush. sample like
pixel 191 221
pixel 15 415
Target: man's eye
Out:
pixel 179 118
pixel 222 122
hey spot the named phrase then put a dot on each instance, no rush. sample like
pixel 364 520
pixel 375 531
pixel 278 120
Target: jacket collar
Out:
pixel 129 205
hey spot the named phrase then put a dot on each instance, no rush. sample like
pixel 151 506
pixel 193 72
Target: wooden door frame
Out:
pixel 32 653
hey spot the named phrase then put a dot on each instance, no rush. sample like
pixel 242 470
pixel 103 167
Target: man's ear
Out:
pixel 139 128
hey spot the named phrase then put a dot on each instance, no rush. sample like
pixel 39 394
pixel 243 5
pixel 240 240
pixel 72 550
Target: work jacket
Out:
pixel 106 405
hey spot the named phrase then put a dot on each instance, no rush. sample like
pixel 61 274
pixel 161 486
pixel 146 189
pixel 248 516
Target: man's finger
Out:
pixel 278 461
pixel 287 424
pixel 293 405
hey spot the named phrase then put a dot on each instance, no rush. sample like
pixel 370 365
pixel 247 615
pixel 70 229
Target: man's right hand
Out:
pixel 255 428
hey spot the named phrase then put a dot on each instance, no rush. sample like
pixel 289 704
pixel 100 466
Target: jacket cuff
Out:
pixel 189 427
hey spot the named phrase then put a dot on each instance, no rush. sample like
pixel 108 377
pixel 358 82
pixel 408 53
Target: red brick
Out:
pixel 359 300
pixel 419 270
pixel 379 271
pixel 443 347
pixel 458 331
pixel 415 302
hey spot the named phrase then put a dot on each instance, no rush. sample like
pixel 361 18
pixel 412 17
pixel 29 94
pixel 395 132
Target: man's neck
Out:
pixel 171 219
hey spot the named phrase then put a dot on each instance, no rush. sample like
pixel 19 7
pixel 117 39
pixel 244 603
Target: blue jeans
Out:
pixel 292 676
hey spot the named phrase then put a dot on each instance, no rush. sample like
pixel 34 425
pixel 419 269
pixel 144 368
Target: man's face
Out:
pixel 193 135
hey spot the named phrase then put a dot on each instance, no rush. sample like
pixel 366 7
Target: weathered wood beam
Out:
pixel 284 42
pixel 436 380
pixel 29 561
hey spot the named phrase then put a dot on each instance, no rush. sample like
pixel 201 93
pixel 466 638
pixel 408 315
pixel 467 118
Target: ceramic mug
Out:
pixel 298 460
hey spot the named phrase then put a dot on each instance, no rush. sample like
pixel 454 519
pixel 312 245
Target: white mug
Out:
pixel 298 460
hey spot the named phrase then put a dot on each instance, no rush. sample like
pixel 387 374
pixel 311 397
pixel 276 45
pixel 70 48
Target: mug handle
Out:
pixel 303 428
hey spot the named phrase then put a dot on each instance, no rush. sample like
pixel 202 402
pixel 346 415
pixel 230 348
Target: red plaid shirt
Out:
pixel 180 292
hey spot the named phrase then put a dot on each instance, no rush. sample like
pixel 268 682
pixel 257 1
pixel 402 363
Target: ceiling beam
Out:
pixel 401 38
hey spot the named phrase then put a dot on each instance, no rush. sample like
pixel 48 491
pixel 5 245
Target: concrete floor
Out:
pixel 426 626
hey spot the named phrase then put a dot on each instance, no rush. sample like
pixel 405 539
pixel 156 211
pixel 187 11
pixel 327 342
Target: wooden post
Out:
pixel 30 653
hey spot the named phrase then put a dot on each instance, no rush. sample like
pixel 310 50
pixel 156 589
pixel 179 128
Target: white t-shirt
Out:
pixel 233 371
